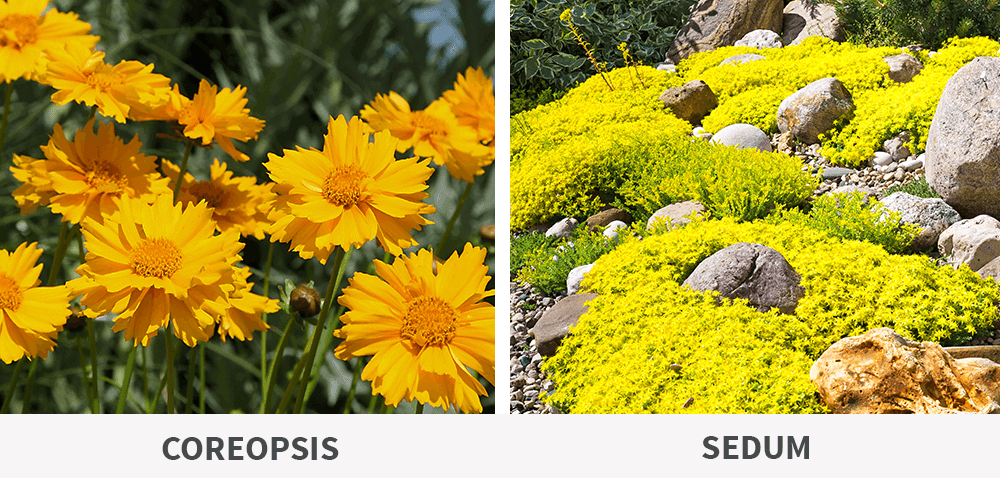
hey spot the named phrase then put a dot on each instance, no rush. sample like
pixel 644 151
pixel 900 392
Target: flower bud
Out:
pixel 305 300
pixel 488 233
pixel 76 320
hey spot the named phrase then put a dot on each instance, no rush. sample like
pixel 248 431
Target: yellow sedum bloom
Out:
pixel 81 75
pixel 423 328
pixel 348 194
pixel 152 264
pixel 30 316
pixel 237 203
pixel 434 132
pixel 25 34
pixel 80 178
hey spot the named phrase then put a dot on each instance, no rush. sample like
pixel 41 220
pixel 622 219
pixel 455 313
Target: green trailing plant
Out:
pixel 549 263
pixel 917 186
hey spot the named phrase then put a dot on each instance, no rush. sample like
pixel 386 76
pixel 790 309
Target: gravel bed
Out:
pixel 527 381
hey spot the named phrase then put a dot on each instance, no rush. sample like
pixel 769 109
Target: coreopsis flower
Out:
pixel 81 75
pixel 241 315
pixel 348 194
pixel 474 105
pixel 86 174
pixel 30 316
pixel 424 327
pixel 212 115
pixel 37 188
pixel 153 263
pixel 237 202
pixel 25 35
pixel 433 132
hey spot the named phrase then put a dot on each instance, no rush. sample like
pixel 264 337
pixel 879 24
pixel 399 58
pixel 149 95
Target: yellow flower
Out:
pixel 87 173
pixel 434 132
pixel 240 314
pixel 349 193
pixel 565 15
pixel 25 35
pixel 81 75
pixel 474 105
pixel 151 264
pixel 220 116
pixel 30 316
pixel 237 203
pixel 37 188
pixel 423 328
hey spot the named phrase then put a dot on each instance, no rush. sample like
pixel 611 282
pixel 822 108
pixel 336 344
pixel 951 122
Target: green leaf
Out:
pixel 535 44
pixel 531 66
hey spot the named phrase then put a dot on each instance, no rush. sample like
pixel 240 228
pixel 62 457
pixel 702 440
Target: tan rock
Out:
pixel 676 214
pixel 718 23
pixel 556 322
pixel 690 102
pixel 884 372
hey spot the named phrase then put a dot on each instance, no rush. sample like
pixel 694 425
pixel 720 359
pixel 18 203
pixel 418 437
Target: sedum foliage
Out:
pixel 596 147
pixel 738 360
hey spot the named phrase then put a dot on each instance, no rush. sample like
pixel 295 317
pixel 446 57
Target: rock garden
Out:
pixel 770 220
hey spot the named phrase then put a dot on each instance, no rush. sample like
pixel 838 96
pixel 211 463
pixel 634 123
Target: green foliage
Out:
pixel 525 246
pixel 917 186
pixel 544 52
pixel 532 97
pixel 852 216
pixel 643 320
pixel 881 114
pixel 549 263
pixel 926 22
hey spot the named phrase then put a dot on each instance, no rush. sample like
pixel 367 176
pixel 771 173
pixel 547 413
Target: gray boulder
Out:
pixel 556 322
pixel 741 59
pixel 974 241
pixel 575 277
pixel 962 160
pixel 760 39
pixel 690 102
pixel 742 136
pixel 750 271
pixel 903 67
pixel 813 109
pixel 896 146
pixel 718 23
pixel 932 215
pixel 676 214
pixel 562 228
pixel 804 18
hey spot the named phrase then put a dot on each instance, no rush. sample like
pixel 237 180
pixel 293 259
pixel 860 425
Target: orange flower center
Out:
pixel 343 186
pixel 432 124
pixel 212 194
pixel 10 293
pixel 157 257
pixel 105 177
pixel 18 30
pixel 104 77
pixel 429 321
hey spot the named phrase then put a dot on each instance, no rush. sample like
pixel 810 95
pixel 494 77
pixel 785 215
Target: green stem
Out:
pixel 6 114
pixel 170 373
pixel 263 336
pixel 123 392
pixel 184 165
pixel 65 235
pixel 12 386
pixel 338 273
pixel 372 404
pixel 83 372
pixel 145 373
pixel 354 385
pixel 201 378
pixel 96 405
pixel 156 396
pixel 451 223
pixel 189 396
pixel 418 408
pixel 29 387
pixel 289 391
pixel 269 380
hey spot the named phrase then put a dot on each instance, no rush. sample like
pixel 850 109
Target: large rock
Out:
pixel 962 160
pixel 750 271
pixel 563 228
pixel 690 102
pixel 974 241
pixel 804 18
pixel 741 59
pixel 575 278
pixel 813 109
pixel 718 23
pixel 600 220
pixel 883 372
pixel 743 135
pixel 556 322
pixel 932 215
pixel 760 39
pixel 903 67
pixel 676 215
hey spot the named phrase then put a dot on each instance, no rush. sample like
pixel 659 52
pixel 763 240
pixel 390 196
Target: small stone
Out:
pixel 888 177
pixel 525 360
pixel 882 158
pixel 899 174
pixel 676 367
pixel 688 402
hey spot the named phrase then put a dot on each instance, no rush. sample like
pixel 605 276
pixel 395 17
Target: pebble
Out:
pixel 882 158
pixel 527 381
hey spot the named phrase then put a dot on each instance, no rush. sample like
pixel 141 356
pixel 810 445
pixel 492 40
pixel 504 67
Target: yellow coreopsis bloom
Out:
pixel 433 132
pixel 37 188
pixel 86 174
pixel 155 263
pixel 474 105
pixel 237 202
pixel 81 75
pixel 30 316
pixel 242 317
pixel 423 328
pixel 25 35
pixel 348 194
